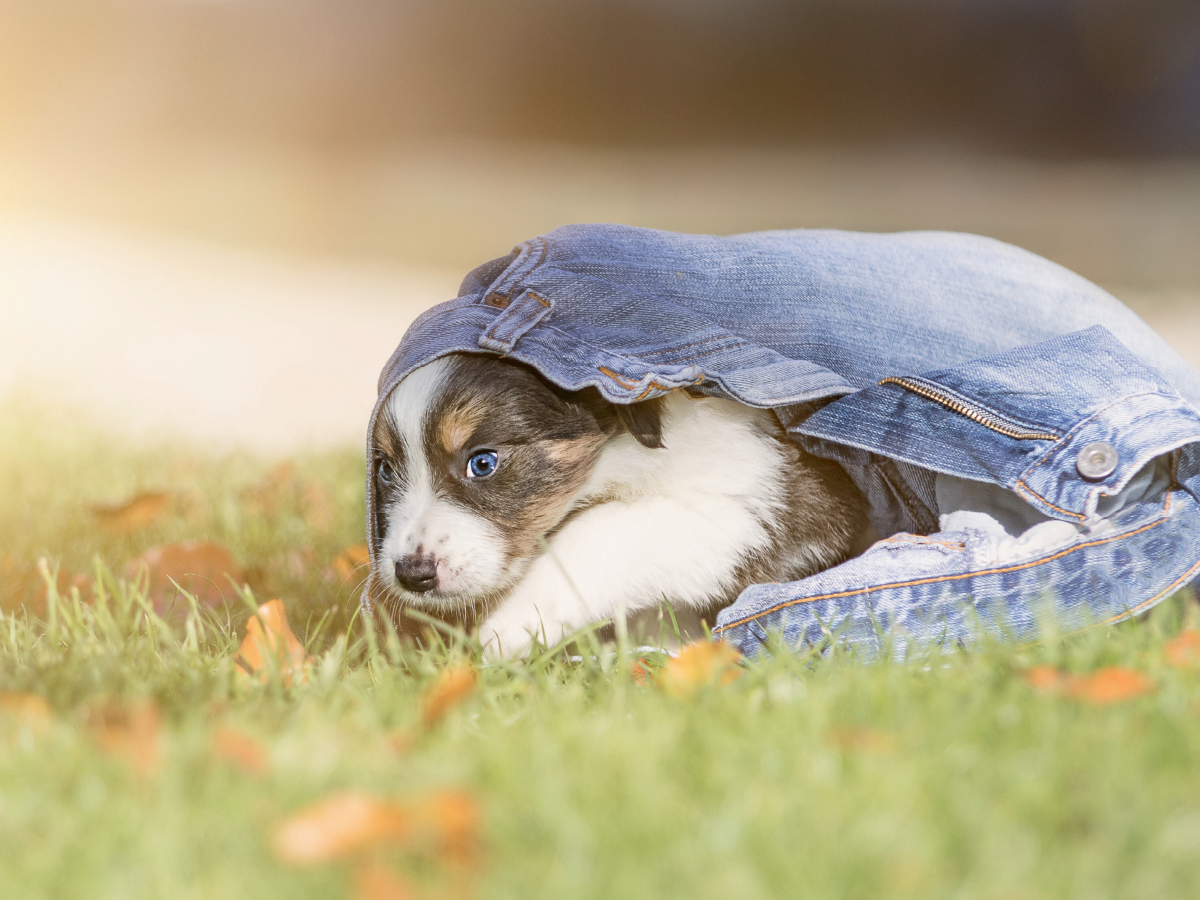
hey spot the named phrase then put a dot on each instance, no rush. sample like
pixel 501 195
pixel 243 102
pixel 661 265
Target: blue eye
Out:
pixel 482 464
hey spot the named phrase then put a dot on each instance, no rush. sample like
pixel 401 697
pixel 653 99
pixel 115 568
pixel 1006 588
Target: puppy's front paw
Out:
pixel 507 636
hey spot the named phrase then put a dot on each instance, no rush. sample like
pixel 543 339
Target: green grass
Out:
pixel 806 777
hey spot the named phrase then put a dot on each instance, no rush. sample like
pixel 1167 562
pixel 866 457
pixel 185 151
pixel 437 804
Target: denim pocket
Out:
pixel 1021 419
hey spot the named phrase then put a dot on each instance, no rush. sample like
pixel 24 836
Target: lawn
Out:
pixel 137 761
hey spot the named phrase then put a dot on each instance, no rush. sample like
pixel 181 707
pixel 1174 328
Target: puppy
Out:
pixel 506 503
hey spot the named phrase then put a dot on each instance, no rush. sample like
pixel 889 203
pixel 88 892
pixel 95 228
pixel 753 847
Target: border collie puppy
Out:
pixel 507 503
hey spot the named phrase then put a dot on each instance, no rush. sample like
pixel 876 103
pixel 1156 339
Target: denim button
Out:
pixel 1096 461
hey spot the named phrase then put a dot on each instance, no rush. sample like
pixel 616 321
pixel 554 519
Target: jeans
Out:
pixel 1027 445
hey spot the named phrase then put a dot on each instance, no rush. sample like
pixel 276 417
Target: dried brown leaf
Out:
pixel 400 741
pixel 316 505
pixel 698 665
pixel 1044 678
pixel 240 749
pixel 377 882
pixel 451 687
pixel 131 732
pixel 451 820
pixel 641 672
pixel 202 568
pixel 277 488
pixel 443 825
pixel 1111 685
pixel 128 516
pixel 30 710
pixel 1183 651
pixel 339 826
pixel 268 640
pixel 352 559
pixel 63 581
pixel 867 740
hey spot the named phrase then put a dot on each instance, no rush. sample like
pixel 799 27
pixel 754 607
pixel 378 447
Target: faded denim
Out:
pixel 1005 366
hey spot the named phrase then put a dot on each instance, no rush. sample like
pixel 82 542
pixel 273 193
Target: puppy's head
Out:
pixel 476 459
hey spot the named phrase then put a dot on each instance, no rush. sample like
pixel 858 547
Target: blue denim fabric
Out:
pixel 1032 363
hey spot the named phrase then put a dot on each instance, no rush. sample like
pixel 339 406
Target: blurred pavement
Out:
pixel 157 336
pixel 153 335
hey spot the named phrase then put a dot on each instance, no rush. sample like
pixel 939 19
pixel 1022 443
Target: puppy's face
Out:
pixel 476 459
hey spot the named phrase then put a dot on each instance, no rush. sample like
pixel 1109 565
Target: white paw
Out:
pixel 507 636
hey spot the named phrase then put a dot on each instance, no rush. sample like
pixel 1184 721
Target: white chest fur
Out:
pixel 670 524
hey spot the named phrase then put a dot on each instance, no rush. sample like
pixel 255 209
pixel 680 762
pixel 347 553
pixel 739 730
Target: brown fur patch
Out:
pixel 577 453
pixel 457 426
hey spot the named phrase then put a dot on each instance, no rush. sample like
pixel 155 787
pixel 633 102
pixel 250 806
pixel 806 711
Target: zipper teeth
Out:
pixel 974 415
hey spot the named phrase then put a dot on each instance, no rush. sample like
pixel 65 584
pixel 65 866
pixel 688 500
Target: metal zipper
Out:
pixel 979 414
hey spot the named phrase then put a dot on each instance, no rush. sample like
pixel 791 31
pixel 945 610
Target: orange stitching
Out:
pixel 653 384
pixel 617 378
pixel 1021 484
pixel 513 275
pixel 916 539
pixel 1067 437
pixel 630 385
pixel 944 578
pixel 1172 586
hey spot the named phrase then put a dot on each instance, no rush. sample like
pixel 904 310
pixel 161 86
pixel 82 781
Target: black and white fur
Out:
pixel 592 509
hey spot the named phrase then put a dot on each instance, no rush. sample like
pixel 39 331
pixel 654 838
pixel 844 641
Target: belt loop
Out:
pixel 522 314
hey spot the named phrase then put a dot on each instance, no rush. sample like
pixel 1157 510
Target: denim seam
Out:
pixel 630 385
pixel 737 343
pixel 638 361
pixel 1065 439
pixel 510 279
pixel 1182 579
pixel 920 541
pixel 945 578
pixel 1023 489
pixel 501 330
pixel 886 467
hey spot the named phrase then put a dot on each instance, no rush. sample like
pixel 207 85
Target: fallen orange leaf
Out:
pixel 350 560
pixel 1111 685
pixel 130 515
pixel 277 486
pixel 340 825
pixel 641 672
pixel 268 637
pixel 239 748
pixel 698 665
pixel 1044 678
pixel 202 568
pixel 63 582
pixel 451 819
pixel 868 740
pixel 378 882
pixel 452 685
pixel 1184 650
pixel 282 490
pixel 316 505
pixel 132 732
pixel 400 741
pixel 28 709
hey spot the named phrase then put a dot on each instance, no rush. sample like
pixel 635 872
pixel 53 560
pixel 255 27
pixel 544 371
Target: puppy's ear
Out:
pixel 644 421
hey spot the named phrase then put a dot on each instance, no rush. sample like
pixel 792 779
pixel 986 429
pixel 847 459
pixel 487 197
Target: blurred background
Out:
pixel 218 216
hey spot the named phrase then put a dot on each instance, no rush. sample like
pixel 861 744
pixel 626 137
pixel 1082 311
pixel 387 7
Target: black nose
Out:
pixel 417 573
